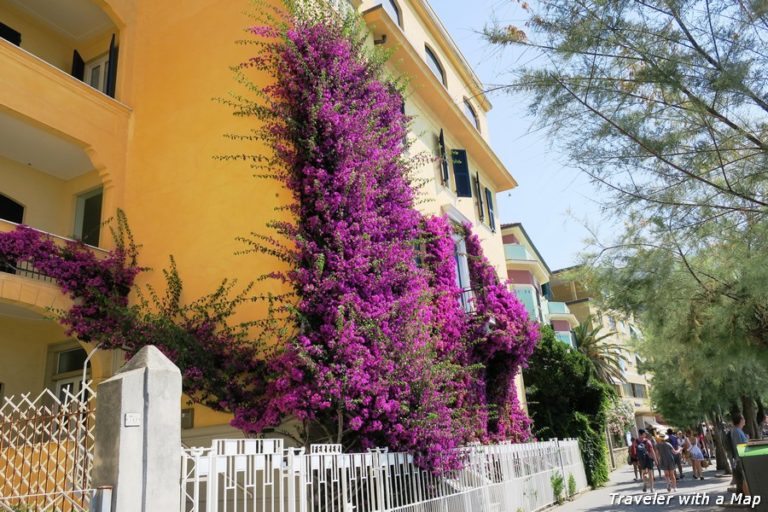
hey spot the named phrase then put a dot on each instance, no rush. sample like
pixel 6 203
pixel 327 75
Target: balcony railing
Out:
pixel 516 252
pixel 565 337
pixel 558 308
pixel 26 269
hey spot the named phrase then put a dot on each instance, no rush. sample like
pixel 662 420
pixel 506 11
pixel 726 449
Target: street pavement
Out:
pixel 628 494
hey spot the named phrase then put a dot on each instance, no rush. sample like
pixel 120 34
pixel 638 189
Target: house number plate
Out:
pixel 132 419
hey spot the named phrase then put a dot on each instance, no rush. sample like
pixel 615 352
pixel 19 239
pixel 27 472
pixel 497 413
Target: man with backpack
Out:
pixel 646 458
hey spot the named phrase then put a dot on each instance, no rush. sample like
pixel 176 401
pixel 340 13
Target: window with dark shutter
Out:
pixel 479 196
pixel 489 202
pixel 112 68
pixel 10 35
pixel 444 173
pixel 461 173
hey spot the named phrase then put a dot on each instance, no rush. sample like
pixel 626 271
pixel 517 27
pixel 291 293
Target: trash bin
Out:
pixel 754 458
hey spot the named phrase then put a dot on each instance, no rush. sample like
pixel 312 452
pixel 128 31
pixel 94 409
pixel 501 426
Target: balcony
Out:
pixel 526 295
pixel 558 308
pixel 21 283
pixel 517 252
pixel 565 337
pixel 39 94
pixel 559 312
pixel 77 37
pixel 519 258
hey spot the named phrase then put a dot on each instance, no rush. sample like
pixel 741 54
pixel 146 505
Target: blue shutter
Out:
pixel 461 173
pixel 489 202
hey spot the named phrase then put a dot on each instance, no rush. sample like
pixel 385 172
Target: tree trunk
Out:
pixel 750 415
pixel 721 456
pixel 760 414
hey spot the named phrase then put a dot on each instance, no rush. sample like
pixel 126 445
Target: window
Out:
pixel 11 210
pixel 491 213
pixel 471 114
pixel 65 369
pixel 88 217
pixel 462 273
pixel 634 390
pixel 101 72
pixel 461 173
pixel 546 289
pixel 445 178
pixel 434 64
pixel 96 72
pixel 479 196
pixel 391 8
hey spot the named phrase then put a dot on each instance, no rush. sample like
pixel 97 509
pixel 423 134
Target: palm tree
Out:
pixel 606 357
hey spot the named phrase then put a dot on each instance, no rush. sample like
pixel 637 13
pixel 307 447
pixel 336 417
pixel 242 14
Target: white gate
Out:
pixel 261 475
pixel 46 451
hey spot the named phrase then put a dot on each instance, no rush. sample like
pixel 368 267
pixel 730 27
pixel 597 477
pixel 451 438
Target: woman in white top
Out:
pixel 697 456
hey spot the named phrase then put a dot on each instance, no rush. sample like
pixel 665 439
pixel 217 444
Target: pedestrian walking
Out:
pixel 697 457
pixel 646 457
pixel 632 458
pixel 738 436
pixel 667 461
pixel 674 440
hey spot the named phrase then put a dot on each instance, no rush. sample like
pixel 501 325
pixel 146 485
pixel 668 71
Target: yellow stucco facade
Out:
pixel 150 149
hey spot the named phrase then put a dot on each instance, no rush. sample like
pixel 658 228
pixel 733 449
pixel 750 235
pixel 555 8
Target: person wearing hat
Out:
pixel 667 463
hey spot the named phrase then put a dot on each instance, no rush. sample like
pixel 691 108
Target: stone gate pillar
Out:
pixel 138 434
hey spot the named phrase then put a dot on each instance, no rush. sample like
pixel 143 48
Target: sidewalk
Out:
pixel 623 487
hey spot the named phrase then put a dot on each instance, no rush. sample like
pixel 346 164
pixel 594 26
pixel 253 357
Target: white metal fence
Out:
pixel 46 451
pixel 261 475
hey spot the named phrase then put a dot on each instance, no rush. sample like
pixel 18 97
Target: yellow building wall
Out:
pixel 179 200
pixel 27 341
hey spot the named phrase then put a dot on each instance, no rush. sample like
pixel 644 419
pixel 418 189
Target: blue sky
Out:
pixel 552 200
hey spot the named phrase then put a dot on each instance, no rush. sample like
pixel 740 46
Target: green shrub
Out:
pixel 558 485
pixel 571 486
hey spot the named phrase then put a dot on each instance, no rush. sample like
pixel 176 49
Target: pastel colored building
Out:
pixel 108 104
pixel 529 277
pixel 584 303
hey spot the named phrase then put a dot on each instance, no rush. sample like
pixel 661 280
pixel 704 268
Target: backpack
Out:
pixel 642 452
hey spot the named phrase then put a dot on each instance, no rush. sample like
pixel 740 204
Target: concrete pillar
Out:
pixel 138 434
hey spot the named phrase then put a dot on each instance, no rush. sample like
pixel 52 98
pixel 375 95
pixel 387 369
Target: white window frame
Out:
pixel 471 113
pixel 56 381
pixel 431 58
pixel 103 61
pixel 462 274
pixel 80 209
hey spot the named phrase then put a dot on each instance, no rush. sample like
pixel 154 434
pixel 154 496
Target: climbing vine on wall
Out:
pixel 371 346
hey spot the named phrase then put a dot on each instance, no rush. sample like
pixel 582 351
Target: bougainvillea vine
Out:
pixel 377 349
